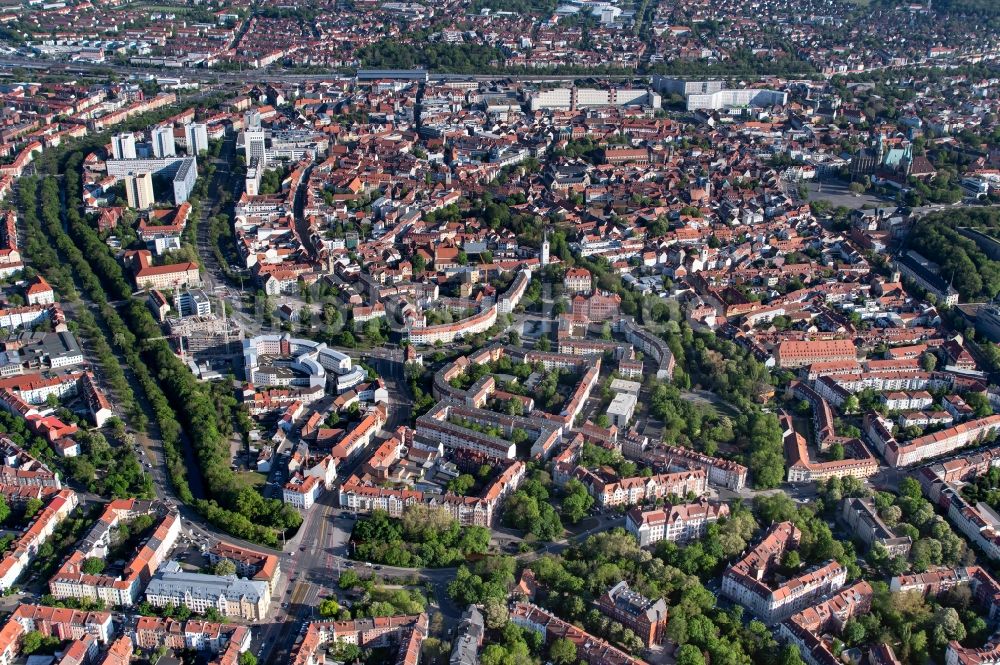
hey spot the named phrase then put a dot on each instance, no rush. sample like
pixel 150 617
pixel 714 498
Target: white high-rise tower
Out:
pixel 544 258
pixel 123 146
pixel 163 141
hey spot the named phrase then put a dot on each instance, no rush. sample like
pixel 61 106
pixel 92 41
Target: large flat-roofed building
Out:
pixel 392 75
pixel 182 172
pixel 192 303
pixel 674 86
pixel 738 98
pixel 162 139
pixel 621 409
pixel 139 191
pixel 34 351
pixel 197 138
pixel 573 98
pixel 230 595
pixel 123 146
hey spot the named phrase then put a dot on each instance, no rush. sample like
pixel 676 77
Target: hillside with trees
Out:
pixel 962 262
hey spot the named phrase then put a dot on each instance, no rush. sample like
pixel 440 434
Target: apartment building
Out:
pixel 988 654
pixel 936 479
pixel 449 332
pixel 365 633
pixel 861 516
pixel 610 490
pixel 302 491
pixel 10 641
pixel 468 638
pixel 64 623
pixel 746 581
pixel 356 440
pixel 860 462
pixel 232 596
pixel 647 618
pixel 577 280
pixel 224 641
pixel 806 629
pixel 597 307
pixel 13 318
pixel 907 401
pixel 979 523
pixel 24 548
pixel 124 588
pixel 39 292
pixel 19 469
pixel 589 649
pixel 439 425
pixel 939 443
pixel 652 345
pixel 139 191
pixel 358 495
pixel 795 353
pixel 84 630
pixel 678 523
pixel 165 278
pixel 832 615
pixel 823 423
pixel 251 564
pixel 721 472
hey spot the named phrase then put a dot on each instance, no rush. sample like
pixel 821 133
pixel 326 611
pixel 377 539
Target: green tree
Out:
pixel 689 654
pixel 92 566
pixel 225 567
pixel 329 607
pixel 348 580
pixel 562 651
pixel 31 507
pixel 495 613
pixel 790 656
pixel 577 501
pixel 31 642
pixel 462 484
